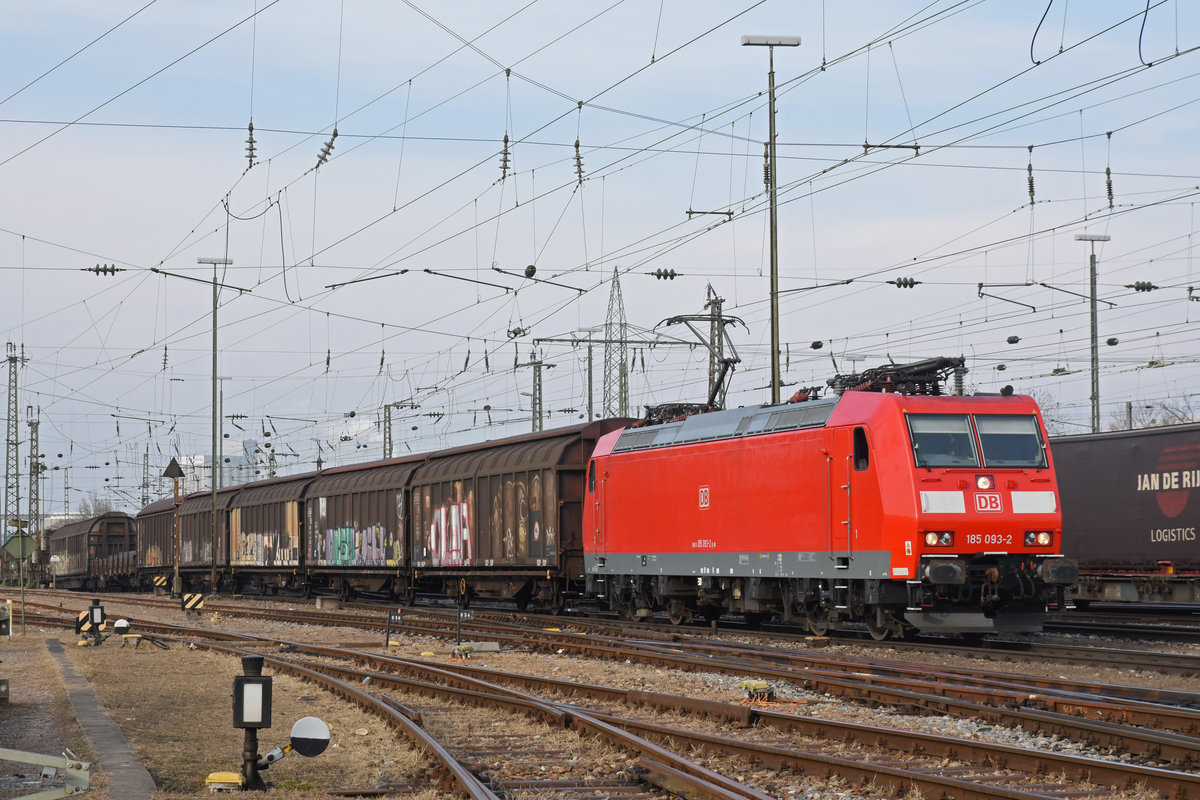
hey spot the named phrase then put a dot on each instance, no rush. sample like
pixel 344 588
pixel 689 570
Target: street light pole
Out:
pixel 225 262
pixel 771 42
pixel 1093 238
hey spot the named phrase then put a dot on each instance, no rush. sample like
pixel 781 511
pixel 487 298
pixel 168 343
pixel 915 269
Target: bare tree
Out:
pixel 93 506
pixel 1056 425
pixel 1154 415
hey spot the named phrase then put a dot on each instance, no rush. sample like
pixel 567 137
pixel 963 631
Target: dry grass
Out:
pixel 176 709
pixel 38 719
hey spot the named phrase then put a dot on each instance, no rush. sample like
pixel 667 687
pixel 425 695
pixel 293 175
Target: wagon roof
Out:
pixel 530 451
pixel 276 490
pixel 73 528
pixel 368 477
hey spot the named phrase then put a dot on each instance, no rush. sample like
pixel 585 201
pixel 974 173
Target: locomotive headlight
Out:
pixel 984 482
pixel 1038 538
pixel 939 538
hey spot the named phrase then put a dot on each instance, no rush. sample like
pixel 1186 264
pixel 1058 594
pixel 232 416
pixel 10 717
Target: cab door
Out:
pixel 839 463
pixel 596 493
pixel 849 464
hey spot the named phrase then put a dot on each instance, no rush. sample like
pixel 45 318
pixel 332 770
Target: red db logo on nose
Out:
pixel 988 502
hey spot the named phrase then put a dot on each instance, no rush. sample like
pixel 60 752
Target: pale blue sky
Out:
pixel 673 118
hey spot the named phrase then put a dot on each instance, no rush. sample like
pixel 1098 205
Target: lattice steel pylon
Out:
pixel 145 498
pixel 616 366
pixel 716 347
pixel 12 461
pixel 35 475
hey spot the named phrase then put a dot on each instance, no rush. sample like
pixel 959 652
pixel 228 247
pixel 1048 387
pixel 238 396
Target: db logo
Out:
pixel 704 497
pixel 988 502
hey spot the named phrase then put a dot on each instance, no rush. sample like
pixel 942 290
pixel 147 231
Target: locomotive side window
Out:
pixel 592 476
pixel 862 455
pixel 1010 440
pixel 942 440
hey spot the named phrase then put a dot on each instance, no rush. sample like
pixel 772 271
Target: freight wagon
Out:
pixel 98 554
pixel 1131 511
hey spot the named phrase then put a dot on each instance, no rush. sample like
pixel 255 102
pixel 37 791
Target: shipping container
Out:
pixel 1131 510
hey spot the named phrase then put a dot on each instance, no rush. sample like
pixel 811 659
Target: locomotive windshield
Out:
pixel 946 440
pixel 1010 441
pixel 942 440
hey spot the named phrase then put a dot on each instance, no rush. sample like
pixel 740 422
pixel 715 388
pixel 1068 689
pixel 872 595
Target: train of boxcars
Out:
pixel 888 503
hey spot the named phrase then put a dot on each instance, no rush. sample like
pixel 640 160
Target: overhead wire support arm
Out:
pixel 818 286
pixel 529 275
pixel 916 148
pixel 205 281
pixel 982 293
pixel 1111 304
pixel 468 280
pixel 363 280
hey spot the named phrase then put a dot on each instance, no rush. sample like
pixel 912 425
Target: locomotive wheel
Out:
pixel 678 613
pixel 818 621
pixel 877 624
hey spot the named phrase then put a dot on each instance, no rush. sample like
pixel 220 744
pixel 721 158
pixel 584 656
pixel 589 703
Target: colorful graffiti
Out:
pixel 350 546
pixel 448 539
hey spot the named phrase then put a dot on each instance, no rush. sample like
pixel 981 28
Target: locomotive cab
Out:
pixel 989 527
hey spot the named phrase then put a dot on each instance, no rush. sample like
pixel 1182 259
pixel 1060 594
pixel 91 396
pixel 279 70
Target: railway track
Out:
pixel 774 736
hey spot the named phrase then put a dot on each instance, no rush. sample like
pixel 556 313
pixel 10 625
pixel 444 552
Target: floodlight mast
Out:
pixel 1093 238
pixel 215 262
pixel 771 42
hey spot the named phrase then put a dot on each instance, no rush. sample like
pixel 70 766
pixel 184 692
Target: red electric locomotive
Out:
pixel 889 504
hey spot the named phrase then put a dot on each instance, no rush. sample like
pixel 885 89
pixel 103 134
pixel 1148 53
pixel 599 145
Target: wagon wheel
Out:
pixel 877 623
pixel 818 621
pixel 678 613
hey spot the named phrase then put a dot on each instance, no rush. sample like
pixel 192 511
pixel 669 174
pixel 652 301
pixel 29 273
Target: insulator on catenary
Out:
pixel 1141 286
pixel 504 159
pixel 665 274
pixel 578 163
pixel 250 152
pixel 1030 169
pixel 1108 182
pixel 103 269
pixel 904 283
pixel 767 165
pixel 326 149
